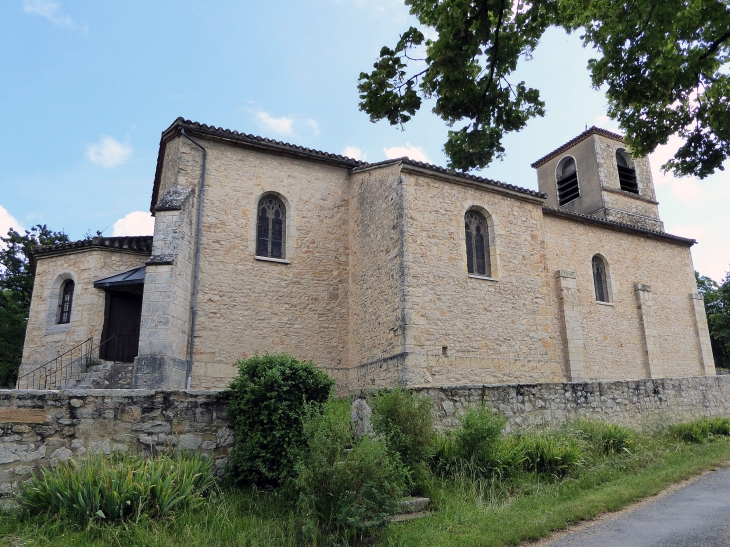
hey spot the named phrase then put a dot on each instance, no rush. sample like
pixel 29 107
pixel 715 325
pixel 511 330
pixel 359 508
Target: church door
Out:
pixel 120 335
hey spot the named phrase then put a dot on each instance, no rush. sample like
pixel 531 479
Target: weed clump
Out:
pixel 119 487
pixel 701 430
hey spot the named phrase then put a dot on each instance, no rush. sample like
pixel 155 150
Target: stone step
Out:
pixel 412 508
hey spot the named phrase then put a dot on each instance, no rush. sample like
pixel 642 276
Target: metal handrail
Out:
pixel 88 341
pixel 55 373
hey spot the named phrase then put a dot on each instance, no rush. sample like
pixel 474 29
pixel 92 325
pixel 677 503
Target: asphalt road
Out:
pixel 695 515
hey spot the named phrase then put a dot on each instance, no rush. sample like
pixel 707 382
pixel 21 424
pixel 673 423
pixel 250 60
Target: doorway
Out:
pixel 120 335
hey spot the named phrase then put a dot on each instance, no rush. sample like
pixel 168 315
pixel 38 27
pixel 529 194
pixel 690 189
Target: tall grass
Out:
pixel 119 487
pixel 701 430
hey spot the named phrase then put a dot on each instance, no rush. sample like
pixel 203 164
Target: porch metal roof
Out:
pixel 131 277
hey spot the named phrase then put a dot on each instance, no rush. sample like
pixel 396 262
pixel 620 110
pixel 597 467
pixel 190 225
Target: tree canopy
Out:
pixel 16 290
pixel 664 66
pixel 717 306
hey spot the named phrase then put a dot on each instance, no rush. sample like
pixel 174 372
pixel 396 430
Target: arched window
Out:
pixel 477 244
pixel 67 296
pixel 567 179
pixel 626 172
pixel 271 228
pixel 600 279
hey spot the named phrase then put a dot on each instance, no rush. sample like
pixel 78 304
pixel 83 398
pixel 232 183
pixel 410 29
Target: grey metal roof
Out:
pixel 131 277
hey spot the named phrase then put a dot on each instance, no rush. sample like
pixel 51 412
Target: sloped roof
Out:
pixel 136 244
pixel 587 133
pixel 617 225
pixel 194 129
pixel 130 277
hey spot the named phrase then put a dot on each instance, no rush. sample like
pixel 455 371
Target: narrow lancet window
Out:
pixel 626 173
pixel 477 244
pixel 67 296
pixel 271 228
pixel 599 279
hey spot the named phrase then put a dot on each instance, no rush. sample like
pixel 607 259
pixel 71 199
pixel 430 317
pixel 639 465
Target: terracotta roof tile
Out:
pixel 587 133
pixel 140 244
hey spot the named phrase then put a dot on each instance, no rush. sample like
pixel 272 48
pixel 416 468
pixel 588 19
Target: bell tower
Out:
pixel 594 174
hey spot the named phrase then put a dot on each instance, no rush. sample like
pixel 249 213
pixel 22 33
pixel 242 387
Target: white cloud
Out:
pixel 715 264
pixel 662 155
pixel 314 126
pixel 355 153
pixel 108 152
pixel 137 223
pixel 412 152
pixel 8 221
pixel 48 10
pixel 282 125
pixel 685 189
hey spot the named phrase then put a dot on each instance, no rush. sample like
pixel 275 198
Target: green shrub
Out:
pixel 266 404
pixel 404 419
pixel 347 488
pixel 701 430
pixel 478 436
pixel 605 438
pixel 119 487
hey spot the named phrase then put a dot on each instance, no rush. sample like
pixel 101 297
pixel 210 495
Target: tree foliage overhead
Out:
pixel 664 66
pixel 16 290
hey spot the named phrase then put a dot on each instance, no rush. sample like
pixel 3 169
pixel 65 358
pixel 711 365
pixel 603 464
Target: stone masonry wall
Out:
pixel 45 338
pixel 496 330
pixel 42 428
pixel 613 333
pixel 248 305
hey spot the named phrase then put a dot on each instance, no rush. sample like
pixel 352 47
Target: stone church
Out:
pixel 388 273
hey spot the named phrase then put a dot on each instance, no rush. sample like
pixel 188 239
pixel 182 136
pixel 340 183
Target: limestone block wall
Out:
pixel 377 322
pixel 247 305
pixel 464 329
pixel 605 150
pixel 614 333
pixel 45 338
pixel 42 428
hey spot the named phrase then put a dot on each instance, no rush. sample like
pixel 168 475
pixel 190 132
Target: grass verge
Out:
pixel 480 512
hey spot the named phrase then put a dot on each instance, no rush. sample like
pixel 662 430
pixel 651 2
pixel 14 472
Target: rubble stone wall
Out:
pixel 42 428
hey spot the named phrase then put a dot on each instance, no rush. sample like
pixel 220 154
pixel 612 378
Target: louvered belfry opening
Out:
pixel 626 174
pixel 477 244
pixel 599 279
pixel 568 188
pixel 67 296
pixel 271 228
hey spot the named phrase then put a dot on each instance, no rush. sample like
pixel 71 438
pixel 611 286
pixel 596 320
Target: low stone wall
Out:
pixel 641 404
pixel 42 428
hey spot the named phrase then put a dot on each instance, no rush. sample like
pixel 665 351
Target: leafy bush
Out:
pixel 119 487
pixel 478 435
pixel 266 404
pixel 404 419
pixel 606 438
pixel 347 489
pixel 701 430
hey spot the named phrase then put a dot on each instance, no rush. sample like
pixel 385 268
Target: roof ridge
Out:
pixel 593 130
pixel 351 163
pixel 133 243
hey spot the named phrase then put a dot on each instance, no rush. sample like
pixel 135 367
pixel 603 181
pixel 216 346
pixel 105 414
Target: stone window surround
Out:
pixel 291 228
pixel 555 178
pixel 609 282
pixel 53 298
pixel 492 228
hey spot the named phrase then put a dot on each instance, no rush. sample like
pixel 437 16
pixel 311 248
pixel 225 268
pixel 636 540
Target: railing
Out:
pixel 59 372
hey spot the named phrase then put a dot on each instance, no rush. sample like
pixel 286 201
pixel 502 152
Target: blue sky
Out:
pixel 88 86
